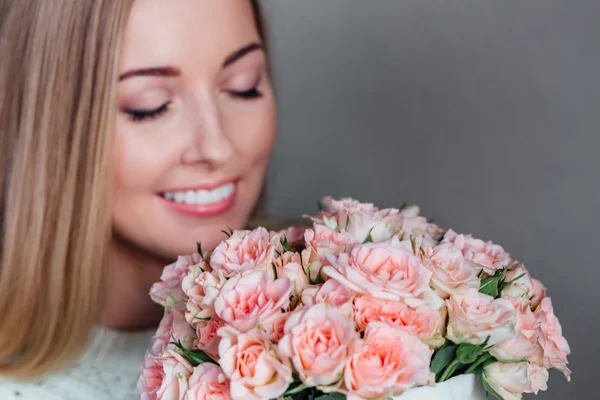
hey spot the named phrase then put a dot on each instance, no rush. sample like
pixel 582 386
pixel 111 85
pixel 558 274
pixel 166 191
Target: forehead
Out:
pixel 186 33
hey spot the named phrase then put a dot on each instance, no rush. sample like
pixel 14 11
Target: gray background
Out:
pixel 486 113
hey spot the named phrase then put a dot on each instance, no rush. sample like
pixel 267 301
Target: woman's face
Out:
pixel 195 127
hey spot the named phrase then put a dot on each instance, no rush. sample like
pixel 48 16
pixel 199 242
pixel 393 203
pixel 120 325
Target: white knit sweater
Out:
pixel 107 370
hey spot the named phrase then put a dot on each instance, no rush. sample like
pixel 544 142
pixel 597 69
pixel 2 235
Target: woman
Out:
pixel 130 131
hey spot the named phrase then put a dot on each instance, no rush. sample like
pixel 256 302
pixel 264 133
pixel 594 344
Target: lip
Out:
pixel 197 210
pixel 204 186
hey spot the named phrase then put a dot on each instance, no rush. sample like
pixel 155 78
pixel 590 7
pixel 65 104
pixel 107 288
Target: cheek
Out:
pixel 252 132
pixel 140 163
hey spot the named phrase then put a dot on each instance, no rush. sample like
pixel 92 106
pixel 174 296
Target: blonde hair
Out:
pixel 58 77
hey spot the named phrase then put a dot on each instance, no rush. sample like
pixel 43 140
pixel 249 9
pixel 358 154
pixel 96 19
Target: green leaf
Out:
pixel 199 248
pixel 491 285
pixel 442 358
pixel 332 396
pixel 347 223
pixel 284 243
pixel 195 357
pixel 369 238
pixel 506 284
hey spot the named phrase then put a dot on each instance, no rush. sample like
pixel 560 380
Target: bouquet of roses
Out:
pixel 367 304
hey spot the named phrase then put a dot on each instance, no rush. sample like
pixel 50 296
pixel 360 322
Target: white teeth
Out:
pixel 201 197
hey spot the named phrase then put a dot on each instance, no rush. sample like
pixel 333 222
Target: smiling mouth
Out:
pixel 201 197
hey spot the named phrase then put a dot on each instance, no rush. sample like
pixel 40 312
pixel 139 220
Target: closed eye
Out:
pixel 142 115
pixel 247 95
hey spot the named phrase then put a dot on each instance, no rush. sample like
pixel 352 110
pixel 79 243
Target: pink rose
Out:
pixel 388 270
pixel 208 340
pixel 554 345
pixel 250 298
pixel 539 292
pixel 289 265
pixel 319 340
pixel 202 288
pixel 450 272
pixel 423 322
pixel 251 362
pixel 525 344
pixel 347 205
pixel 151 377
pixel 177 372
pixel 208 383
pixel 486 255
pixel 277 329
pixel 388 362
pixel 168 292
pixel 246 250
pixel 320 243
pixel 294 236
pixel 474 316
pixel 416 226
pixel 331 292
pixel 521 287
pixel 513 379
pixel 173 327
pixel 360 220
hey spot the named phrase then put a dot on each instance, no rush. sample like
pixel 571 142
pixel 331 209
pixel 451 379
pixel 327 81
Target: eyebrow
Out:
pixel 242 52
pixel 158 71
pixel 174 72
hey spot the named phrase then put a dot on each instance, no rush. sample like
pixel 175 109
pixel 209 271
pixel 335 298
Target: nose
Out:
pixel 208 142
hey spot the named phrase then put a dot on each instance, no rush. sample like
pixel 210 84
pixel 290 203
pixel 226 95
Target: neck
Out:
pixel 131 273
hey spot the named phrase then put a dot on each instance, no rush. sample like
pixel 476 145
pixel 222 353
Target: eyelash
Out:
pixel 142 115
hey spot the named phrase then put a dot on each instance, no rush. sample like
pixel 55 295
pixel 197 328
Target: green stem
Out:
pixel 449 370
pixel 477 363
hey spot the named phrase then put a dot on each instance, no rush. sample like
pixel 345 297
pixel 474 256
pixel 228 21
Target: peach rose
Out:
pixel 319 340
pixel 513 379
pixel 250 298
pixel 201 288
pixel 208 383
pixel 388 362
pixel 474 316
pixel 423 322
pixel 525 344
pixel 177 373
pixel 246 250
pixel 331 292
pixel 168 292
pixel 251 362
pixel 151 377
pixel 554 345
pixel 486 255
pixel 289 265
pixel 388 270
pixel 450 272
pixel 321 242
pixel 208 340
pixel 173 327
